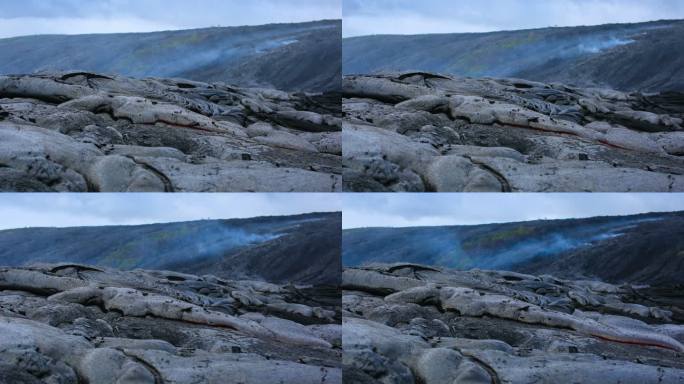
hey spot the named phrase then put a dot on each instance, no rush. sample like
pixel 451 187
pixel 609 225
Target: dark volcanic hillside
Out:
pixel 645 56
pixel 303 248
pixel 643 248
pixel 294 57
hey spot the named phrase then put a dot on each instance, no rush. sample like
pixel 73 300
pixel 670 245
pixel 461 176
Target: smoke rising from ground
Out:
pixel 502 247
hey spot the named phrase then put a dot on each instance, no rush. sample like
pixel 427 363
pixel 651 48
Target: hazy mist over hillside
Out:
pixel 247 56
pixel 644 56
pixel 626 45
pixel 247 44
pixel 302 248
pixel 618 248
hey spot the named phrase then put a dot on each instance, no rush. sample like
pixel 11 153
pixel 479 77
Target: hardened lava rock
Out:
pixel 79 131
pixel 70 323
pixel 420 131
pixel 407 323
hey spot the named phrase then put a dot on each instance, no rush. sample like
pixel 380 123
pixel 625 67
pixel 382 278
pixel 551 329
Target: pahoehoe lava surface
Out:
pixel 292 57
pixel 69 323
pixel 81 131
pixel 419 131
pixel 409 323
pixel 627 57
pixel 647 248
pixel 302 249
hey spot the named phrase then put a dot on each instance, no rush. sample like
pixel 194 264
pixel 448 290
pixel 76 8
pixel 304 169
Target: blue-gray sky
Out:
pixel 31 17
pixel 406 210
pixel 368 17
pixel 18 210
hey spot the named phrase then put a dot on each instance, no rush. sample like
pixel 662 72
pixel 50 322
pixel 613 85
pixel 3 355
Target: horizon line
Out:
pixel 509 222
pixel 172 222
pixel 508 30
pixel 172 30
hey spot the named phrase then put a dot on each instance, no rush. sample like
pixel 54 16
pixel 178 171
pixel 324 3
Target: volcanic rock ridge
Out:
pixel 408 323
pixel 419 131
pixel 71 323
pixel 80 131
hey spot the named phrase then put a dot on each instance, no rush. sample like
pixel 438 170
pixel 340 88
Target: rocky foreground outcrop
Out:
pixel 79 324
pixel 406 323
pixel 78 131
pixel 428 132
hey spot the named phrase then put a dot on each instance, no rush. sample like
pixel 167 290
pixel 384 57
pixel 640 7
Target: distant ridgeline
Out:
pixel 303 248
pixel 648 248
pixel 645 56
pixel 292 57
